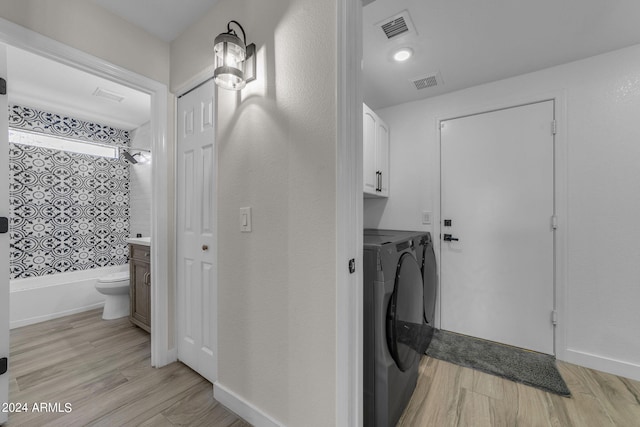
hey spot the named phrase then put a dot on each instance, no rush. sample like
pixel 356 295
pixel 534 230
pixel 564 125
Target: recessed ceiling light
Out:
pixel 403 54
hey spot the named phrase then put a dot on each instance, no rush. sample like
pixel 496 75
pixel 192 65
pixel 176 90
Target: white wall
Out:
pixel 601 319
pixel 92 29
pixel 277 153
pixel 140 184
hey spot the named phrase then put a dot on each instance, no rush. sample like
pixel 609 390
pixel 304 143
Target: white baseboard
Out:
pixel 242 408
pixel 50 316
pixel 605 364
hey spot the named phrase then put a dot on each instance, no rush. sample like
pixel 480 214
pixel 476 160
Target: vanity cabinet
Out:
pixel 375 148
pixel 140 285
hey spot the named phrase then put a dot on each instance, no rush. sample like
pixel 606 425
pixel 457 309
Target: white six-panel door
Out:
pixel 196 231
pixel 4 238
pixel 497 189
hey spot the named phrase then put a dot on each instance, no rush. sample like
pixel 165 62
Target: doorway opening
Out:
pixel 18 37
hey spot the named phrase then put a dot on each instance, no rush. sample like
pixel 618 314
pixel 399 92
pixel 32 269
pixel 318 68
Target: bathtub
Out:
pixel 37 299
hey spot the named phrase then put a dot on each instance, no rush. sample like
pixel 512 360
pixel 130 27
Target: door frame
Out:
pixel 560 201
pixel 161 231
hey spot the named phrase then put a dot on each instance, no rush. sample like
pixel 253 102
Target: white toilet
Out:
pixel 115 288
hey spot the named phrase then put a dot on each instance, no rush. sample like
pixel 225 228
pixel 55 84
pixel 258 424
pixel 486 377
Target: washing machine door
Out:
pixel 405 312
pixel 430 278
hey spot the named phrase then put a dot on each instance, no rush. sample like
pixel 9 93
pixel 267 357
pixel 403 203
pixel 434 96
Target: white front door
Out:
pixel 497 191
pixel 4 239
pixel 196 231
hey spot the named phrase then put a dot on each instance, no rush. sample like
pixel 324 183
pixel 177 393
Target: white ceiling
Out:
pixel 44 84
pixel 165 19
pixel 470 42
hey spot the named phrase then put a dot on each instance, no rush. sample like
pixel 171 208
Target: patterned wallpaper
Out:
pixel 68 211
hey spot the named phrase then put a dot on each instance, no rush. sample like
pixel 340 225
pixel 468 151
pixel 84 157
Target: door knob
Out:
pixel 449 238
pixel 205 247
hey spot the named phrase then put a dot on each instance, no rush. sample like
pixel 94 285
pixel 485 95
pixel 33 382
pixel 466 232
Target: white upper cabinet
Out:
pixel 375 141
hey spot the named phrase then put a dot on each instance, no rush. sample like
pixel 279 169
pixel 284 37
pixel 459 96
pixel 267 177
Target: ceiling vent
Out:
pixel 397 25
pixel 107 94
pixel 427 81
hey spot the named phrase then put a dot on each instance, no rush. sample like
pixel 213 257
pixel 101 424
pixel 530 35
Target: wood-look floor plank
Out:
pixel 77 371
pixel 144 395
pixel 619 403
pixel 102 368
pixel 451 395
pixel 489 385
pixel 532 409
pixel 473 409
pixel 158 420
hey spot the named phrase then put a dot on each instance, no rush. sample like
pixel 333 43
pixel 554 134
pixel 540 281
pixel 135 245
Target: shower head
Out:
pixel 129 157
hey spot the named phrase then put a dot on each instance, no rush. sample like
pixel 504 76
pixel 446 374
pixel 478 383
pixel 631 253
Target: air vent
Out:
pixel 397 25
pixel 107 94
pixel 430 80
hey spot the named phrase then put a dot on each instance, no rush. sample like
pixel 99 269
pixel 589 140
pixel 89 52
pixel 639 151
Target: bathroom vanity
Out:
pixel 140 282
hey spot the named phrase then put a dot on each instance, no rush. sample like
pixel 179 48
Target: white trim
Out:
pixel 38 44
pixel 243 408
pixel 161 235
pixel 605 364
pixel 349 215
pixel 194 82
pixel 561 199
pixel 562 213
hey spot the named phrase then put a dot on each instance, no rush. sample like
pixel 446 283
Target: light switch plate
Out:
pixel 245 220
pixel 426 217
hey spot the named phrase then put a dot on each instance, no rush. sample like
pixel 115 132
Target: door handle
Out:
pixel 449 238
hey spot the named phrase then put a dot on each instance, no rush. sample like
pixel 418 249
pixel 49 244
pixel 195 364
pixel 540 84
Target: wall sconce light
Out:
pixel 235 62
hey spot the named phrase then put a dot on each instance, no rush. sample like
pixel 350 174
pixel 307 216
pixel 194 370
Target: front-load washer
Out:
pixel 394 327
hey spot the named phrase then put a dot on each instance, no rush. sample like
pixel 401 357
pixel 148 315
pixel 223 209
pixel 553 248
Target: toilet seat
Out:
pixel 114 277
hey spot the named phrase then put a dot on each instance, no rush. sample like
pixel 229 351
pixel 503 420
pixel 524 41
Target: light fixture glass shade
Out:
pixel 403 54
pixel 230 53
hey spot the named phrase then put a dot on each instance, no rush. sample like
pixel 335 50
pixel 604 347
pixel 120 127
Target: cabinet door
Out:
pixel 382 157
pixel 141 294
pixel 369 167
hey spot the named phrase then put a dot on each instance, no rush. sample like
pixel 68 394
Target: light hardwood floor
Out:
pixel 103 369
pixel 451 395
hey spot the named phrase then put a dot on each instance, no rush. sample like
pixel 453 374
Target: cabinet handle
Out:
pixel 379 181
pixel 205 247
